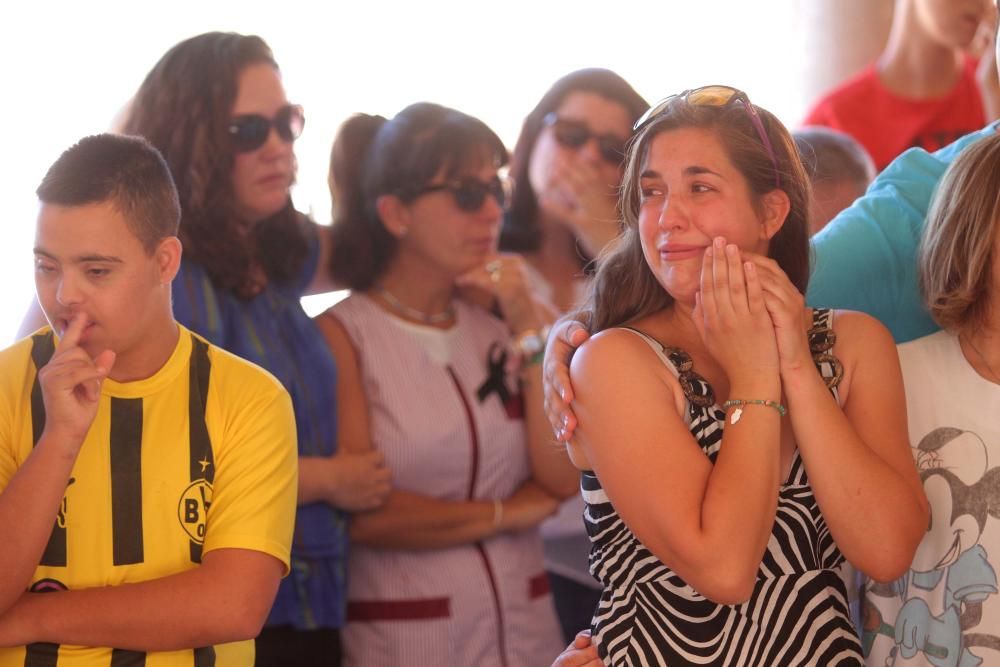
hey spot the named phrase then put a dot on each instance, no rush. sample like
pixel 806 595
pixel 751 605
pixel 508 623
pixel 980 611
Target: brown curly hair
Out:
pixel 183 108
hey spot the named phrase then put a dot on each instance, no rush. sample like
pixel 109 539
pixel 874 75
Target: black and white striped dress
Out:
pixel 797 614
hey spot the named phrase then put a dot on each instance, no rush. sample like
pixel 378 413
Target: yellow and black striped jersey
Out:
pixel 200 456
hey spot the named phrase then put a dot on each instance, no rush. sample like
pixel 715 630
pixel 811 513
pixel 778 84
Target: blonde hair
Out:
pixel 955 257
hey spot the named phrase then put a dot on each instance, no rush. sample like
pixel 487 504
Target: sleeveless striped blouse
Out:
pixel 797 614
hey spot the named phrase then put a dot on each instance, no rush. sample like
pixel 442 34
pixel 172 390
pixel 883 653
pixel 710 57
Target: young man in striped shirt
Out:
pixel 147 478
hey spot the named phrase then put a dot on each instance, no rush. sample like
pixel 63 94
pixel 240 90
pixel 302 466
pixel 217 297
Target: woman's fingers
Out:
pixel 707 291
pixel 756 301
pixel 720 278
pixel 737 279
pixel 565 337
pixel 479 277
pixel 775 283
pixel 769 269
pixel 724 284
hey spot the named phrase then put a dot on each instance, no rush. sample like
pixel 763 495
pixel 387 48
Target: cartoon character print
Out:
pixel 951 575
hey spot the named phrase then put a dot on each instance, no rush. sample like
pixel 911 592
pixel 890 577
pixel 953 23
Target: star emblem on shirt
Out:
pixel 204 462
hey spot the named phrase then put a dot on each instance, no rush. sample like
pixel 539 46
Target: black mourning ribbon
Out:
pixel 496 362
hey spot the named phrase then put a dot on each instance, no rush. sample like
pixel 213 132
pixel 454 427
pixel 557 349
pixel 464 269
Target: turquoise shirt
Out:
pixel 866 258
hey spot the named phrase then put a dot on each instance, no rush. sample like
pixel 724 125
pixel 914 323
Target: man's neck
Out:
pixel 914 64
pixel 147 358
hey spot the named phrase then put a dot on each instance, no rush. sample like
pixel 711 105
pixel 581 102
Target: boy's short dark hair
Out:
pixel 127 171
pixel 833 156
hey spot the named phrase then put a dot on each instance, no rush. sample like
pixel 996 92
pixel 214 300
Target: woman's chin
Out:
pixel 263 209
pixel 685 299
pixel 680 292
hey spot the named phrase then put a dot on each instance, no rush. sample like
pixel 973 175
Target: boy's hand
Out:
pixel 71 387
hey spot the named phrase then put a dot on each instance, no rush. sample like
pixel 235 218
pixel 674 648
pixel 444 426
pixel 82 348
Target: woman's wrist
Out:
pixel 764 389
pixel 801 378
pixel 523 319
pixel 498 518
pixel 794 364
pixel 529 345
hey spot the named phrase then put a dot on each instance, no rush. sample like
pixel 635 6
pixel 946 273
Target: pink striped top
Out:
pixel 445 434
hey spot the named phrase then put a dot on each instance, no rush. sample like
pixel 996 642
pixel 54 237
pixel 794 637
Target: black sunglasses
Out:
pixel 574 134
pixel 250 131
pixel 470 193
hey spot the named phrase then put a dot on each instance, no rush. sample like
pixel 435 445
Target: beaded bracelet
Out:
pixel 530 346
pixel 738 412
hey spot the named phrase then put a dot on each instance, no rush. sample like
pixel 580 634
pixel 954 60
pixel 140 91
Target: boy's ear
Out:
pixel 168 258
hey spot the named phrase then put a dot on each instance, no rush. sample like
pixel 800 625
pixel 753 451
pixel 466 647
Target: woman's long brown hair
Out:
pixel 183 108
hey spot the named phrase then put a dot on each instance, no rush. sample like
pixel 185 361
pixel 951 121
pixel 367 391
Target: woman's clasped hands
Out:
pixel 730 313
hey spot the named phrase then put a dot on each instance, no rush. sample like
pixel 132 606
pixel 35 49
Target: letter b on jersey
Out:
pixel 192 510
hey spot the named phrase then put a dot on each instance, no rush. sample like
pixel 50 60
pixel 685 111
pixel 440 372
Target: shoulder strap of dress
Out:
pixel 696 390
pixel 822 338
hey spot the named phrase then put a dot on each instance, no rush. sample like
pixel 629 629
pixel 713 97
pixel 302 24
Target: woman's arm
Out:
pixel 414 521
pixel 506 277
pixel 550 465
pixel 709 523
pixel 712 521
pixel 355 478
pixel 858 459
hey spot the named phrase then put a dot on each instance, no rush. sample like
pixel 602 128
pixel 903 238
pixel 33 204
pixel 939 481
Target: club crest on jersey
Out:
pixel 192 510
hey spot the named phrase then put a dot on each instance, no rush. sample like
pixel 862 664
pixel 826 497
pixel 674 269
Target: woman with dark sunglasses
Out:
pixel 567 169
pixel 736 447
pixel 215 107
pixel 449 571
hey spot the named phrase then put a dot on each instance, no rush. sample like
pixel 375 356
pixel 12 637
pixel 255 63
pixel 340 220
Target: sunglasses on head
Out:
pixel 715 96
pixel 574 134
pixel 249 132
pixel 470 193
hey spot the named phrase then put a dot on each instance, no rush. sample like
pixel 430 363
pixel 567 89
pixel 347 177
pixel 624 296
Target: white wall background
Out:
pixel 71 66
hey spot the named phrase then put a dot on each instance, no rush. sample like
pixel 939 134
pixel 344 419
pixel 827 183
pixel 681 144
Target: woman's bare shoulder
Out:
pixel 854 327
pixel 613 346
pixel 618 359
